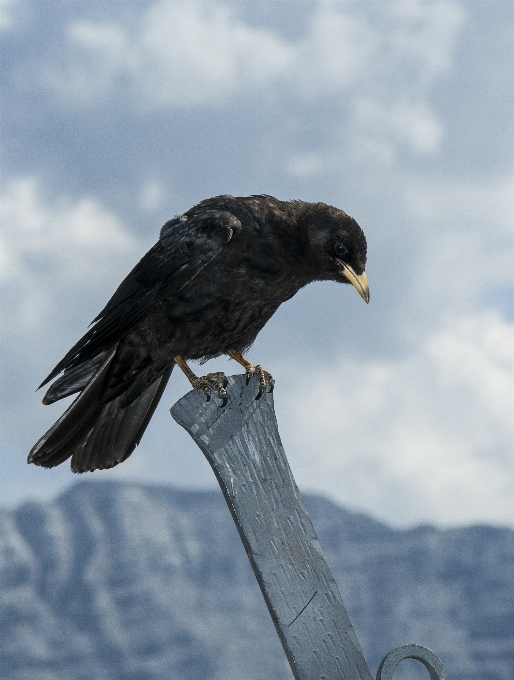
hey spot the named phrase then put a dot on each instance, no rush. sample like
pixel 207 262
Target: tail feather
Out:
pixel 94 434
pixel 74 379
pixel 117 431
pixel 56 445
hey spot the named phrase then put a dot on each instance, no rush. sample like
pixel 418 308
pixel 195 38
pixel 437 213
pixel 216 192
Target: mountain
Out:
pixel 117 581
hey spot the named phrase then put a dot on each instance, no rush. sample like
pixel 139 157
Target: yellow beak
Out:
pixel 358 280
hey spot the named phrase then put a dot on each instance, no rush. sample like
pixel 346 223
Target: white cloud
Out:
pixel 194 54
pixel 55 249
pixel 61 259
pixel 152 195
pixel 7 14
pixel 414 126
pixel 309 164
pixel 392 108
pixel 425 437
pixel 423 37
pixel 179 55
pixel 487 203
pixel 203 53
pixel 335 53
pixel 465 245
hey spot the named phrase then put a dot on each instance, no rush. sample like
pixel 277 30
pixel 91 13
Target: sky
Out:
pixel 116 116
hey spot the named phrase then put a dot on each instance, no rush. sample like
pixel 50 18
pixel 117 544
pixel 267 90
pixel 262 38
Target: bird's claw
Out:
pixel 210 382
pixel 265 378
pixel 220 378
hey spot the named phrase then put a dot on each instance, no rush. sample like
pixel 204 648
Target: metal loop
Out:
pixel 427 657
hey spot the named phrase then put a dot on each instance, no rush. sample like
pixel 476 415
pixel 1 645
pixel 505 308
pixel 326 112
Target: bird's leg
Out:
pixel 211 381
pixel 264 377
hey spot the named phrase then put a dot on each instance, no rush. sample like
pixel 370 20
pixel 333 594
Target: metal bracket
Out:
pixel 427 657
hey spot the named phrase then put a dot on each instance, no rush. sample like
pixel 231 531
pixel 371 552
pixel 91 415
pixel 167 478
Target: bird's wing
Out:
pixel 185 248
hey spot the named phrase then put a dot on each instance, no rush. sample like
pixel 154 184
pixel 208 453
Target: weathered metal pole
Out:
pixel 242 444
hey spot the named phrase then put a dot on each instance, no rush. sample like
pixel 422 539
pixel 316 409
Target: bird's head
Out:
pixel 338 247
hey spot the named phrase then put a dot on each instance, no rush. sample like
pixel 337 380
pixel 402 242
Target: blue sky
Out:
pixel 119 115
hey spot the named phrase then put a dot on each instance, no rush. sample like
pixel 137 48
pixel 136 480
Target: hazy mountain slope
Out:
pixel 119 581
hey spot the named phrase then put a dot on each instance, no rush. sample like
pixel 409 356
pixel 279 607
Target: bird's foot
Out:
pixel 265 379
pixel 216 382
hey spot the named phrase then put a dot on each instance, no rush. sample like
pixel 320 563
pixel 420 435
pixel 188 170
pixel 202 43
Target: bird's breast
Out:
pixel 224 309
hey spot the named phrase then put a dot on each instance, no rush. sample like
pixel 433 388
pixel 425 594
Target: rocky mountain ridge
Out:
pixel 119 581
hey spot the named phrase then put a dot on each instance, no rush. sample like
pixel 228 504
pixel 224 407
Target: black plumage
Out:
pixel 212 281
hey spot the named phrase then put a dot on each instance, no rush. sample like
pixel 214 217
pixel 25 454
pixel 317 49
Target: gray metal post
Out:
pixel 242 444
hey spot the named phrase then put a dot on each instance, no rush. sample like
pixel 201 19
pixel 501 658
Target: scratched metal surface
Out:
pixel 242 444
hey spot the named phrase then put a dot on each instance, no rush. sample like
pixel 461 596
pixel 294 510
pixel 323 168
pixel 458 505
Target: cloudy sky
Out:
pixel 119 115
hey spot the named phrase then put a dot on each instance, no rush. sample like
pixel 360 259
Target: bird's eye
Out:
pixel 340 250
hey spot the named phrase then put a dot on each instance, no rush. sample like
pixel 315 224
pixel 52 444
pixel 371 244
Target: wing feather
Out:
pixel 187 245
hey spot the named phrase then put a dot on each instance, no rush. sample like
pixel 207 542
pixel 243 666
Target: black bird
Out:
pixel 214 278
